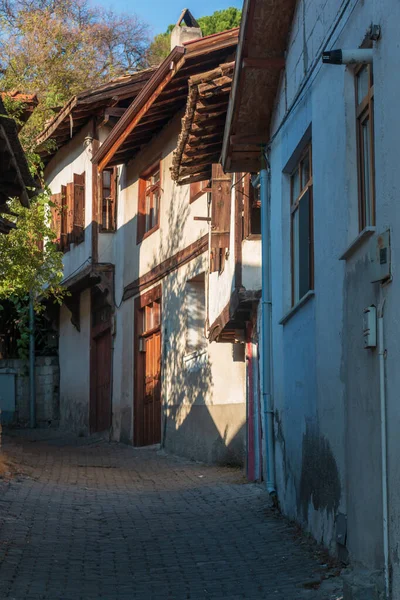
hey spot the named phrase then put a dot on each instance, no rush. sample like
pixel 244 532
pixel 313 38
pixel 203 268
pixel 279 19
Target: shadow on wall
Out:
pixel 192 425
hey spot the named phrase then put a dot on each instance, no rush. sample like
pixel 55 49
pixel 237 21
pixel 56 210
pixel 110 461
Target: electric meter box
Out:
pixel 382 259
pixel 369 327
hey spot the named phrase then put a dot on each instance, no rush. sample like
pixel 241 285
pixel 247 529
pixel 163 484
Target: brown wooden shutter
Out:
pixel 64 219
pixel 70 213
pixel 220 216
pixel 114 195
pixel 78 215
pixel 141 210
pixel 56 210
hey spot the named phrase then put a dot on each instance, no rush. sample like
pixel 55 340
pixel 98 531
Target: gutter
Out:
pixel 266 328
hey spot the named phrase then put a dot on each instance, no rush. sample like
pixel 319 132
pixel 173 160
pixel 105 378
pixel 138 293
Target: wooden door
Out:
pixel 152 396
pixel 147 407
pixel 100 359
pixel 102 383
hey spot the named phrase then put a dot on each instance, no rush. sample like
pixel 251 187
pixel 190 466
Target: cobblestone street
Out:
pixel 87 519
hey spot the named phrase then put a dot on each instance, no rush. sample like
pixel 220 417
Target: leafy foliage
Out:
pixel 220 20
pixel 30 260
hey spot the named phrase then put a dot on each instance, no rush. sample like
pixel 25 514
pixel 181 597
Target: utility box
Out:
pixel 7 397
pixel 382 258
pixel 369 327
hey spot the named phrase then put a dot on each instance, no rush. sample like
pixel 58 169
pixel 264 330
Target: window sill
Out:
pixel 101 230
pixel 148 233
pixel 363 235
pixel 253 237
pixel 310 294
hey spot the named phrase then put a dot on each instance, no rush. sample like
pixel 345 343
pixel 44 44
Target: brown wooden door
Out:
pixel 102 381
pixel 147 408
pixel 152 396
pixel 100 364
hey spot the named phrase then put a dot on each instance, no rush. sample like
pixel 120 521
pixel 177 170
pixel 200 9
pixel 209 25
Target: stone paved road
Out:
pixel 90 520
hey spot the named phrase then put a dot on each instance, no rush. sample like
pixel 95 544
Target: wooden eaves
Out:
pixel 108 101
pixel 164 95
pixel 260 59
pixel 15 178
pixel 200 141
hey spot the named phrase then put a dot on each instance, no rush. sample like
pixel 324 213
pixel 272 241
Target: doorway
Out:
pixel 147 405
pixel 100 380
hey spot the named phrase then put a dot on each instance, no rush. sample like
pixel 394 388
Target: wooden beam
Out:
pixel 248 140
pixel 195 178
pixel 198 167
pixel 272 62
pixel 167 266
pixel 145 100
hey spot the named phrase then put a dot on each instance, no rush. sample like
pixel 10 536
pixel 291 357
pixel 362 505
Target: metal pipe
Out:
pixel 266 329
pixel 32 375
pixel 382 395
pixel 357 56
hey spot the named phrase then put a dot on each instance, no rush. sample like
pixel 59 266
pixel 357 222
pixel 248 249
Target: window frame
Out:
pixel 144 192
pixel 305 187
pixel 193 286
pixel 365 112
pixel 249 196
pixel 113 198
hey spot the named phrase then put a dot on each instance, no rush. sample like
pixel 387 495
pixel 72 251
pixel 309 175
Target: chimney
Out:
pixel 190 30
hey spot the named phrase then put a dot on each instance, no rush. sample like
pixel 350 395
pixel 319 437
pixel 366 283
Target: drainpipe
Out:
pixel 32 382
pixel 266 329
pixel 382 395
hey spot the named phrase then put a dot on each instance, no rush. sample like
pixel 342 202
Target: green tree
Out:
pixel 30 260
pixel 220 20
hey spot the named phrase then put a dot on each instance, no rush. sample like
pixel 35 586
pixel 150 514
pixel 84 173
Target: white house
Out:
pixel 136 355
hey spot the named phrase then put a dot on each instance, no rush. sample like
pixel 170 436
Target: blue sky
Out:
pixel 160 13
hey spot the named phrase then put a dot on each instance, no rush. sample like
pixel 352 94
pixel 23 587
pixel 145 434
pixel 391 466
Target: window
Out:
pixel 302 227
pixel 150 317
pixel 195 315
pixel 109 199
pixel 198 189
pixel 251 209
pixel 365 146
pixel 68 213
pixel 149 202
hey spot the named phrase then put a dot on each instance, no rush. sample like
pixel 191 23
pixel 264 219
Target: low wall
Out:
pixel 47 391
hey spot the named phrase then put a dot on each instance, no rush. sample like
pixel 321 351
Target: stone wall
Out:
pixel 47 389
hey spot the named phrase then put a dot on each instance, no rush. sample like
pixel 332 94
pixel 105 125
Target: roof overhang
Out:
pixel 15 178
pixel 260 59
pixel 108 100
pixel 164 96
pixel 200 141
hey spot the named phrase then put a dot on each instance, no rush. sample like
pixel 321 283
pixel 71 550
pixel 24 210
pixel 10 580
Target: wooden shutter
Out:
pixel 114 194
pixel 69 204
pixel 64 219
pixel 141 225
pixel 78 215
pixel 56 210
pixel 220 216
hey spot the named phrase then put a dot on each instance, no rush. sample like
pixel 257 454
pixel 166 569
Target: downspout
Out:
pixel 266 329
pixel 382 395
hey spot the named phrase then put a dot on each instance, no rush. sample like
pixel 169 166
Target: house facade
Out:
pixel 148 293
pixel 330 222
